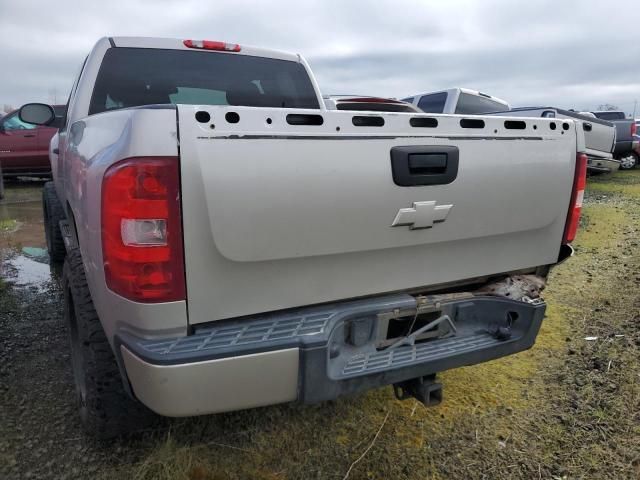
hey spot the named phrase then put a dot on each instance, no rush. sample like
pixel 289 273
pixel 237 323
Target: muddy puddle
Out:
pixel 24 270
pixel 23 257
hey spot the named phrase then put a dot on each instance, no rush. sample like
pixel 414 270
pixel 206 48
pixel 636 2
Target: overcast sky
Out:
pixel 573 54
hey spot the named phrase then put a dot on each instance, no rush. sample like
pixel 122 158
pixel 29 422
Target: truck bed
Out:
pixel 285 208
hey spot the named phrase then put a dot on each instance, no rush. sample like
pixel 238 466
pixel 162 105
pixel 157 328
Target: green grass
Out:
pixel 7 226
pixel 622 183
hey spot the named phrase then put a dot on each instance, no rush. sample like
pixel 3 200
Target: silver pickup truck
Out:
pixel 599 135
pixel 228 242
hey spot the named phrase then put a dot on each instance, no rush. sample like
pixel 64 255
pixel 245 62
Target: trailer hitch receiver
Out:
pixel 424 389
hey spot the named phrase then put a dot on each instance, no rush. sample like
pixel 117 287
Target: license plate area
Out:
pixel 392 330
pixel 398 325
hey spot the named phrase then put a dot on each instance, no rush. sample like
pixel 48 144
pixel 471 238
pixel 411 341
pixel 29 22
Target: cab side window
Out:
pixel 13 122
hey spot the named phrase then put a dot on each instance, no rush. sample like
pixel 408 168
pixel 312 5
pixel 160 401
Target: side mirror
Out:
pixel 37 113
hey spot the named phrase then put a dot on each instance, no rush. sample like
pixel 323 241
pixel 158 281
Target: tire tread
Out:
pixel 53 214
pixel 110 411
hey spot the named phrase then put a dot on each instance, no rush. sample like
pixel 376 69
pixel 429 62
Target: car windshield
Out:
pixel 132 77
pixel 13 122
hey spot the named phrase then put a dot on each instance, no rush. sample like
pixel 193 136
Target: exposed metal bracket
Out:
pixel 425 304
pixel 68 235
pixel 411 338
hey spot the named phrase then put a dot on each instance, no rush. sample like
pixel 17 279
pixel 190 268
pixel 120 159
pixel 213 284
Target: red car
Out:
pixel 24 148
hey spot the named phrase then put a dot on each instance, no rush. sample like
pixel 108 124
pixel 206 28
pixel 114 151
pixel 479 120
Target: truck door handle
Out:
pixel 417 165
pixel 29 135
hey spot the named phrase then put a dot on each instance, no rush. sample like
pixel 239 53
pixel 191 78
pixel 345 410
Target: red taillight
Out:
pixel 142 229
pixel 212 45
pixel 634 128
pixel 577 195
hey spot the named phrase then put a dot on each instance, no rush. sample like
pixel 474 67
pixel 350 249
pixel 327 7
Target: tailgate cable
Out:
pixel 411 338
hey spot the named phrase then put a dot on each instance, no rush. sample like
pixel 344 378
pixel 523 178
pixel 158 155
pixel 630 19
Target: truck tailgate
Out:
pixel 599 138
pixel 278 215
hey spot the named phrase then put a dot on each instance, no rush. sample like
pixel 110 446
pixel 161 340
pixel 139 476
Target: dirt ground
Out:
pixel 569 408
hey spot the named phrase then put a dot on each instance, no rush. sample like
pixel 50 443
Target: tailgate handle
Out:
pixel 417 165
pixel 427 163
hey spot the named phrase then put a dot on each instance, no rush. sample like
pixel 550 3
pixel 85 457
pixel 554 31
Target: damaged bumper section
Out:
pixel 320 353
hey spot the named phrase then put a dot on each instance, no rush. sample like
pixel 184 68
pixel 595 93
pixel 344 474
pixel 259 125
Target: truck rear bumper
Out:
pixel 321 353
pixel 602 165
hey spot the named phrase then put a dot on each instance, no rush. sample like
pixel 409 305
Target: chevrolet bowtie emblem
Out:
pixel 422 215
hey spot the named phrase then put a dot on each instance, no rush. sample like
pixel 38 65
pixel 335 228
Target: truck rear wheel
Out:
pixel 106 410
pixel 53 214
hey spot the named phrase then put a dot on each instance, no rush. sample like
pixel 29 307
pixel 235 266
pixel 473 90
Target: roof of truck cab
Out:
pixel 609 111
pixel 178 44
pixel 482 94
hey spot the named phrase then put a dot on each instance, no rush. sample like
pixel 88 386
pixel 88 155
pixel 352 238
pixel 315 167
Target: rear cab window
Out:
pixel 610 115
pixel 433 103
pixel 131 77
pixel 475 105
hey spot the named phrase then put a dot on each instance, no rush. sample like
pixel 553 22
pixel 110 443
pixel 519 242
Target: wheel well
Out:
pixel 72 223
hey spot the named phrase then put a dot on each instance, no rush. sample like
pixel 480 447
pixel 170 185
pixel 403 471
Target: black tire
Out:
pixel 53 214
pixel 106 410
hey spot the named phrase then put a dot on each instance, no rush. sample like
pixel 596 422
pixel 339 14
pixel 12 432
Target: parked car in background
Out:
pixel 626 129
pixel 24 148
pixel 462 101
pixel 365 103
pixel 599 135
